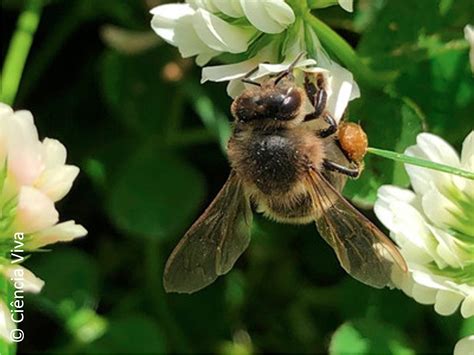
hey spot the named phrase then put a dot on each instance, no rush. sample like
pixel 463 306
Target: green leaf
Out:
pixel 391 123
pixel 443 88
pixel 132 334
pixel 407 31
pixel 156 194
pixel 367 336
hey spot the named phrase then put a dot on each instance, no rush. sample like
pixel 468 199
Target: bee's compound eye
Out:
pixel 289 106
pixel 244 108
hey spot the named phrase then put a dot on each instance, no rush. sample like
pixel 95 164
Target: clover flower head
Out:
pixel 208 28
pixel 433 225
pixel 33 176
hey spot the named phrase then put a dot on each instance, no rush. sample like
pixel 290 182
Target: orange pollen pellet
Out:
pixel 353 140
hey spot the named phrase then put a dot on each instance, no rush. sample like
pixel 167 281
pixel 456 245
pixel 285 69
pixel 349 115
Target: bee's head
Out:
pixel 277 101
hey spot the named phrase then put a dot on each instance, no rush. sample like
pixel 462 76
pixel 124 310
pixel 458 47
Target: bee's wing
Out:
pixel 213 243
pixel 362 249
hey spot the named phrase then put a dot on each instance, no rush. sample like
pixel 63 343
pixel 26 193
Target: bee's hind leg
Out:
pixel 326 132
pixel 351 172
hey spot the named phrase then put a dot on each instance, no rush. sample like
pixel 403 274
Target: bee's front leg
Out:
pixel 317 95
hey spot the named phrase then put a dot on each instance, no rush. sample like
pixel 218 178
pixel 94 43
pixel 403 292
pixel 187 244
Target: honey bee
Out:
pixel 291 172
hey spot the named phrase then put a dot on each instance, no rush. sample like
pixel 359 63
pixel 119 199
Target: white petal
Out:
pixel 465 346
pixel 187 40
pixel 420 178
pixel 235 87
pixel 423 295
pixel 6 324
pixel 432 148
pixel 444 213
pixel 210 6
pixel 266 69
pixel 165 18
pixel 437 149
pixel 228 72
pixel 343 88
pixel 467 154
pixel 5 115
pixel 467 163
pixel 57 182
pixel 27 281
pixel 469 34
pixel 467 307
pixel 448 249
pixel 412 234
pixel 256 13
pixel 220 35
pixel 54 153
pixel 204 57
pixel 231 8
pixel 386 195
pixel 24 149
pixel 61 232
pixel 424 277
pixel 346 5
pixel 35 211
pixel 5 110
pixel 280 11
pixel 447 302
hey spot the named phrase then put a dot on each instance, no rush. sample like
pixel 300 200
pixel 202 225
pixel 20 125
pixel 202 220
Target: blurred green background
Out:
pixel 149 141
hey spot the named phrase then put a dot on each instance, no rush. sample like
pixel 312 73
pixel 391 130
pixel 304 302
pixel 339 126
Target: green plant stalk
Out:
pixel 347 55
pixel 421 163
pixel 6 293
pixel 18 51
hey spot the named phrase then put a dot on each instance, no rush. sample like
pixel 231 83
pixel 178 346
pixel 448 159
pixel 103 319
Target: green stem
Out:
pixel 57 36
pixel 347 55
pixel 6 294
pixel 18 51
pixel 421 162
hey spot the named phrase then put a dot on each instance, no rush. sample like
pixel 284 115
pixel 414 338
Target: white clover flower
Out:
pixel 196 30
pixel 465 346
pixel 33 176
pixel 207 28
pixel 433 225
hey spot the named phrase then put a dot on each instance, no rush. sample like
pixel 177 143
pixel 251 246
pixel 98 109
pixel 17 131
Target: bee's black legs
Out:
pixel 326 132
pixel 317 95
pixel 332 166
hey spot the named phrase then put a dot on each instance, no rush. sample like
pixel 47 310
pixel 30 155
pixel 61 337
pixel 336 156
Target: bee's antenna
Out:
pixel 246 79
pixel 290 68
